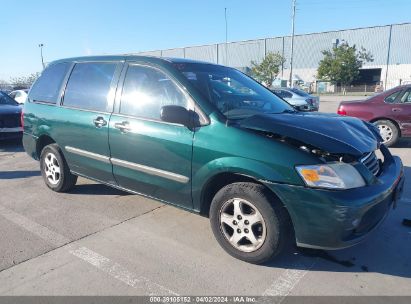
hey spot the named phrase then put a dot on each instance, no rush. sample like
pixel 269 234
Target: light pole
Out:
pixel 41 54
pixel 226 35
pixel 292 44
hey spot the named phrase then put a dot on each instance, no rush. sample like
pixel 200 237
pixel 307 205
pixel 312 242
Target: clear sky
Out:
pixel 93 27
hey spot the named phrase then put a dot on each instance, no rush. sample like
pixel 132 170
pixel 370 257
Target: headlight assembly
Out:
pixel 331 176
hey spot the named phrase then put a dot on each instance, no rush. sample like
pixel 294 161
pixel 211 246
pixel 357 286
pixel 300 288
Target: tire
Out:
pixel 258 242
pixel 55 171
pixel 389 131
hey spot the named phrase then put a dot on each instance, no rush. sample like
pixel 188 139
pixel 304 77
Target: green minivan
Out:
pixel 209 139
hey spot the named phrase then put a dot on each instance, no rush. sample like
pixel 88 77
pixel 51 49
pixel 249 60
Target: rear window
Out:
pixel 89 86
pixel 47 87
pixel 7 100
pixel 300 92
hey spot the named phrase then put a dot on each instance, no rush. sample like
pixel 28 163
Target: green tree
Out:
pixel 268 69
pixel 24 81
pixel 342 64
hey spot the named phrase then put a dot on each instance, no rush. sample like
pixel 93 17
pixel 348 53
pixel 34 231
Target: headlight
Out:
pixel 331 176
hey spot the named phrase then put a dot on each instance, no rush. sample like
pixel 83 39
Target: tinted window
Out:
pixel 47 87
pixel 146 90
pixel 300 92
pixel 406 97
pixel 391 98
pixel 235 95
pixel 283 94
pixel 89 86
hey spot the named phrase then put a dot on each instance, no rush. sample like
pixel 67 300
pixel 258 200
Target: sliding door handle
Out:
pixel 124 126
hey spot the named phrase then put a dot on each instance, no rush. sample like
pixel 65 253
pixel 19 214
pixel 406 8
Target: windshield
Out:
pixel 235 95
pixel 7 100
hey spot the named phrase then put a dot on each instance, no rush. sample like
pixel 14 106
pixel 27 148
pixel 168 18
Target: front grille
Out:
pixel 371 162
pixel 10 121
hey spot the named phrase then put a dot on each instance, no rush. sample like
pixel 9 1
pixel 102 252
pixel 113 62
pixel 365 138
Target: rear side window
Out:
pixel 406 98
pixel 391 98
pixel 89 86
pixel 47 87
pixel 146 90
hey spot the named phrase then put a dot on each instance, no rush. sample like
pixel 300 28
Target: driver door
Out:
pixel 150 156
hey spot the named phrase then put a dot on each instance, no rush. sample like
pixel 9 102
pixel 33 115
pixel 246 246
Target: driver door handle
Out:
pixel 99 122
pixel 396 109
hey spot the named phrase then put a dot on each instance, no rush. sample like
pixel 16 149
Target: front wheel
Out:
pixel 55 171
pixel 249 222
pixel 388 131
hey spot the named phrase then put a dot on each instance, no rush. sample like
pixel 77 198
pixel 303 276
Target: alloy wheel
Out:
pixel 52 169
pixel 242 225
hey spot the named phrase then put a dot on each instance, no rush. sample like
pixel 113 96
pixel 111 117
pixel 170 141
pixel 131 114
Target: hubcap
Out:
pixel 242 225
pixel 52 169
pixel 385 132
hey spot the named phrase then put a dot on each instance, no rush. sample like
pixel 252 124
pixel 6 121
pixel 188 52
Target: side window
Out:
pixel 146 90
pixel 391 98
pixel 406 98
pixel 47 87
pixel 89 86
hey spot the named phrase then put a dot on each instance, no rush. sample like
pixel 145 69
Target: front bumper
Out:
pixel 330 219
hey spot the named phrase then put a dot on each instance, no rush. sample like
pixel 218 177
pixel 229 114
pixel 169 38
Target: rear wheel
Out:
pixel 55 171
pixel 388 131
pixel 249 222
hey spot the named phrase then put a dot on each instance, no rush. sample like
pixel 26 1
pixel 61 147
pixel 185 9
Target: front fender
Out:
pixel 257 170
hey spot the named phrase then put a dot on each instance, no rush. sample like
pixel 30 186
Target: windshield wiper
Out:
pixel 289 111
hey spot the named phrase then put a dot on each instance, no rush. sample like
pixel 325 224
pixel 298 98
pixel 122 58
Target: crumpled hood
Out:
pixel 10 109
pixel 329 132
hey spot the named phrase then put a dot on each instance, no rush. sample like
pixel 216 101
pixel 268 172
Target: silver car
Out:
pixel 298 98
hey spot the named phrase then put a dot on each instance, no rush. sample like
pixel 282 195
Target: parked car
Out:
pixel 298 98
pixel 19 95
pixel 10 118
pixel 209 139
pixel 390 111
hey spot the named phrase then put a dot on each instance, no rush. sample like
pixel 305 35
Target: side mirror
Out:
pixel 177 114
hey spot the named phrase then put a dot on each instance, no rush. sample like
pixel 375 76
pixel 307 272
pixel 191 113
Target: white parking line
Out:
pixel 119 272
pixel 100 262
pixel 41 231
pixel 286 282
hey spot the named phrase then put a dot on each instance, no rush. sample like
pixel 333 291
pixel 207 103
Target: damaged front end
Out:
pixel 339 143
pixel 348 192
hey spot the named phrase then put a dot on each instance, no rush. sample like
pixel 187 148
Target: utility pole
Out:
pixel 292 42
pixel 41 54
pixel 226 36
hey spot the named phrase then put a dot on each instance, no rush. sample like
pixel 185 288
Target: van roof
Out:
pixel 129 57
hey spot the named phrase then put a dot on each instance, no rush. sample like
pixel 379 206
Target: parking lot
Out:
pixel 97 240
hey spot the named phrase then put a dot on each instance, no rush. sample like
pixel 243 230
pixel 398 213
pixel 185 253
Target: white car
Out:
pixel 19 95
pixel 298 98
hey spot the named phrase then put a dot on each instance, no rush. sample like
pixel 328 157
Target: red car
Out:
pixel 390 111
